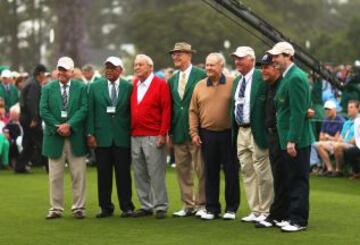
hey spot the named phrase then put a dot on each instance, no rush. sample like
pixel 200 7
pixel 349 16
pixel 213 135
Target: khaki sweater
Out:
pixel 210 106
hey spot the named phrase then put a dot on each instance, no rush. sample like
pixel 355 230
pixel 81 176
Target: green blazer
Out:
pixel 50 112
pixel 108 128
pixel 11 97
pixel 292 101
pixel 257 109
pixel 180 107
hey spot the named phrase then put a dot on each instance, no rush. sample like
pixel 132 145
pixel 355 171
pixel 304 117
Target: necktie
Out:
pixel 240 106
pixel 7 87
pixel 182 84
pixel 65 97
pixel 113 94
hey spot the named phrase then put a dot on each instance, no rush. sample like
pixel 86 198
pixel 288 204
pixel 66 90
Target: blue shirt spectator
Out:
pixel 332 126
pixel 347 132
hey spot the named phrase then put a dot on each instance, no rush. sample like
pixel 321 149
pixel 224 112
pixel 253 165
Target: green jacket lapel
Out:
pixel 254 88
pixel 56 92
pixel 105 92
pixel 121 93
pixel 235 84
pixel 176 86
pixel 190 81
pixel 72 95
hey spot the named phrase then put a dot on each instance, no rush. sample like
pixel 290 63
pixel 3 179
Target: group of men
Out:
pixel 213 121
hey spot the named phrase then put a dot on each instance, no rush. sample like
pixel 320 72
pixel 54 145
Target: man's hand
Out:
pixel 160 141
pixel 169 142
pixel 33 124
pixel 310 113
pixel 64 129
pixel 196 140
pixel 91 142
pixel 291 150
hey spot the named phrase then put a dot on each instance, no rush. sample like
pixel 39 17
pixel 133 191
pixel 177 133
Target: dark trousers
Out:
pixel 32 145
pixel 279 207
pixel 218 150
pixel 352 156
pixel 120 159
pixel 298 183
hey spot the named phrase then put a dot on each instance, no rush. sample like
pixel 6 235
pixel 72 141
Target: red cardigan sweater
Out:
pixel 152 116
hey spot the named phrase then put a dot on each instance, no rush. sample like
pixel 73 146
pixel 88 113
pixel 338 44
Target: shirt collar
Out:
pixel 117 81
pixel 187 71
pixel 147 80
pixel 221 81
pixel 68 84
pixel 287 69
pixel 249 75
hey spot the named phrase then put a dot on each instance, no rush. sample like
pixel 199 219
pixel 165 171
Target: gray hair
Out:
pixel 145 57
pixel 219 56
pixel 88 67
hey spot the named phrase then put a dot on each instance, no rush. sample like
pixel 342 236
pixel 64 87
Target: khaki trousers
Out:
pixel 189 160
pixel 256 171
pixel 77 167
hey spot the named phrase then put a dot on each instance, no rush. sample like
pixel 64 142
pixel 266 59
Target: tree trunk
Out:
pixel 72 29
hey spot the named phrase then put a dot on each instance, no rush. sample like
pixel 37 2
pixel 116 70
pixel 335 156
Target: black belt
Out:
pixel 247 125
pixel 272 130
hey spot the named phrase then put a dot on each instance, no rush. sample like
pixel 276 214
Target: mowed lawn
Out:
pixel 334 218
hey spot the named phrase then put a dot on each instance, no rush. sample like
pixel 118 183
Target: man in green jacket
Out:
pixel 292 101
pixel 7 90
pixel 248 121
pixel 63 108
pixel 109 135
pixel 187 156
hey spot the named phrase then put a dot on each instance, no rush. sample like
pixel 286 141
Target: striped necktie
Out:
pixel 65 97
pixel 239 112
pixel 182 84
pixel 113 94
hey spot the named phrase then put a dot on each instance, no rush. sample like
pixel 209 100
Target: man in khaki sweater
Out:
pixel 210 129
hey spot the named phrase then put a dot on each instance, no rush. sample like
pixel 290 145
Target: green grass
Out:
pixel 334 218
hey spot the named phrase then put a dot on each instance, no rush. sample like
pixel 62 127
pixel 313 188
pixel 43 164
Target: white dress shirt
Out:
pixel 67 89
pixel 143 87
pixel 187 75
pixel 246 107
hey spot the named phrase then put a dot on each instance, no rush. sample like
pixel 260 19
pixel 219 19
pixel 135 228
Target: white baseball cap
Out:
pixel 282 48
pixel 244 51
pixel 66 62
pixel 115 61
pixel 6 74
pixel 330 104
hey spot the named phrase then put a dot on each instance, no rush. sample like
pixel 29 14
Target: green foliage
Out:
pixel 154 26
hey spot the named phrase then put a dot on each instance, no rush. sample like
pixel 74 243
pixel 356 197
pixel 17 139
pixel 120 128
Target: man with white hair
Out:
pixel 210 129
pixel 248 120
pixel 109 135
pixel 150 123
pixel 8 90
pixel 292 101
pixel 63 108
